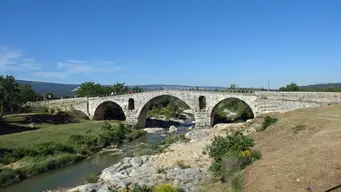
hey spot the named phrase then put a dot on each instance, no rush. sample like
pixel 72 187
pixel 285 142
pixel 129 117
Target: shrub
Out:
pixel 173 138
pixel 182 164
pixel 135 134
pixel 298 128
pixel 141 188
pixel 8 176
pixel 268 120
pixel 231 154
pixel 237 182
pixel 40 109
pixel 165 188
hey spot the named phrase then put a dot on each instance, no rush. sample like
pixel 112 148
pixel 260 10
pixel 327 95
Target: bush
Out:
pixel 173 138
pixel 231 154
pixel 8 176
pixel 237 182
pixel 135 134
pixel 141 188
pixel 298 128
pixel 40 109
pixel 182 164
pixel 46 156
pixel 268 120
pixel 165 188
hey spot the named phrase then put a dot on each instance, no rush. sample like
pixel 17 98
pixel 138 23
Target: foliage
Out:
pixel 8 94
pixel 45 163
pixel 182 164
pixel 49 95
pixel 231 154
pixel 237 182
pixel 140 188
pixel 268 120
pixel 164 144
pixel 173 138
pixel 89 89
pixel 49 155
pixel 13 95
pixel 166 105
pixel 242 110
pixel 312 88
pixel 290 87
pixel 298 128
pixel 26 94
pixel 165 188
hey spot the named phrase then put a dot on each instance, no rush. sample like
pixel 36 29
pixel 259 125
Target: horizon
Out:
pixel 172 43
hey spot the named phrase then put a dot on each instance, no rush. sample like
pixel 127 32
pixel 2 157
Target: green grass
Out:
pixel 48 133
pixel 28 153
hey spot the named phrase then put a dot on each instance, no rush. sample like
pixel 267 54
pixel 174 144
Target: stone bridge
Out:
pixel 135 106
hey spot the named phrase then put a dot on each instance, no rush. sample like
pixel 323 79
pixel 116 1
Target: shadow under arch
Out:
pixel 79 114
pixel 142 117
pixel 109 110
pixel 239 108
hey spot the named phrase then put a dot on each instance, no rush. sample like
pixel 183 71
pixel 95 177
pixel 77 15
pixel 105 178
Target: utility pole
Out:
pixel 269 84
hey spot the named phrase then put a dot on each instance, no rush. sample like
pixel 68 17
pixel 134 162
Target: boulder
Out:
pixel 172 129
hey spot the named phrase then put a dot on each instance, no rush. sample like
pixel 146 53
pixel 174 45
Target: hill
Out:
pixel 322 86
pixel 56 88
pixel 301 150
pixel 66 89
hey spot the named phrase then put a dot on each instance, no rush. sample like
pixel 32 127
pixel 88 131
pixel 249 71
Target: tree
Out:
pixel 290 87
pixel 233 86
pixel 49 95
pixel 8 93
pixel 120 88
pixel 26 93
pixel 137 89
pixel 89 89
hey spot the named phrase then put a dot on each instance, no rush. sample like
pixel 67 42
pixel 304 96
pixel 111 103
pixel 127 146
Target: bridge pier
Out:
pixel 202 120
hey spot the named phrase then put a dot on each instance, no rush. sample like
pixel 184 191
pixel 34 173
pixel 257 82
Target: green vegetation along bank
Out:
pixel 50 146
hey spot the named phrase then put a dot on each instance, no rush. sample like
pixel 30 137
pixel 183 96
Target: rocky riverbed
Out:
pixel 183 164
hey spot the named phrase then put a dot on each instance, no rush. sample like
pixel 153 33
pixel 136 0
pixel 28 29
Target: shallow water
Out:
pixel 75 174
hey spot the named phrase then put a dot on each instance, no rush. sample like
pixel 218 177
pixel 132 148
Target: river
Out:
pixel 75 174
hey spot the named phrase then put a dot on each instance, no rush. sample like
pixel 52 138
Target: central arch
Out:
pixel 142 116
pixel 109 110
pixel 244 112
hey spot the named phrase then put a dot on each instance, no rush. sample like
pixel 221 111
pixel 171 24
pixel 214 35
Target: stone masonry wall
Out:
pixel 260 102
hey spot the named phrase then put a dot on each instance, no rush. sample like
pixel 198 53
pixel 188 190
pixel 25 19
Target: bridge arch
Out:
pixel 248 114
pixel 109 110
pixel 142 112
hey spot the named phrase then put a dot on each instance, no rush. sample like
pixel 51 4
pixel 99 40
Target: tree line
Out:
pixel 91 89
pixel 295 87
pixel 13 95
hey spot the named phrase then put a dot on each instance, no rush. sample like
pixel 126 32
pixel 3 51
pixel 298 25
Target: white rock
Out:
pixel 172 129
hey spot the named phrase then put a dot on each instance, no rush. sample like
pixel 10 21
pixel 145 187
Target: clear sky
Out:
pixel 172 42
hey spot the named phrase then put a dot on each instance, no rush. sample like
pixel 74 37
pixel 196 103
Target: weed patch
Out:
pixel 268 120
pixel 298 128
pixel 231 154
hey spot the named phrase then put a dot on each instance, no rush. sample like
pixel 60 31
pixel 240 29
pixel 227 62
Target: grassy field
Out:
pixel 34 143
pixel 49 132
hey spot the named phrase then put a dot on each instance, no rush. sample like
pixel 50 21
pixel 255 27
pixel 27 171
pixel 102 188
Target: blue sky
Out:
pixel 172 42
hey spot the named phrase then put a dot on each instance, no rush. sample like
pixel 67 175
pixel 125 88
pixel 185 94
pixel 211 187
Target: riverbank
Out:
pixel 53 144
pixel 182 164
